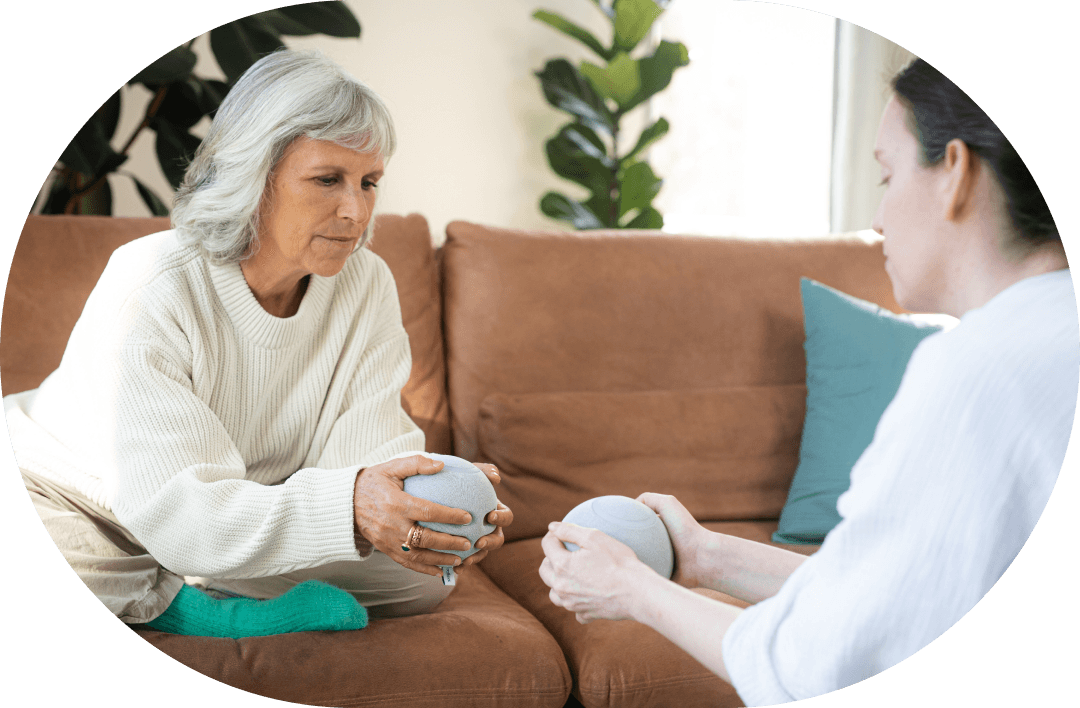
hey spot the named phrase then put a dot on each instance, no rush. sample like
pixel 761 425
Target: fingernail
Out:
pixel 457 561
pixel 481 543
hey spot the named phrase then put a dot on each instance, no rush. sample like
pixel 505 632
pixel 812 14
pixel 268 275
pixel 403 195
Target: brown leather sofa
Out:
pixel 580 364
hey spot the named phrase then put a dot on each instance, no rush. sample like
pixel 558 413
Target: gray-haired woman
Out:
pixel 228 405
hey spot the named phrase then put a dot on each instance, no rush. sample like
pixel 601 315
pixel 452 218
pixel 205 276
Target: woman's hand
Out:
pixel 501 517
pixel 600 580
pixel 687 536
pixel 385 514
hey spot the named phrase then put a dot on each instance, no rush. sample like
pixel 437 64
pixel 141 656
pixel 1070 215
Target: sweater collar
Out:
pixel 258 325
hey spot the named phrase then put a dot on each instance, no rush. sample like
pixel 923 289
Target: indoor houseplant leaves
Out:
pixel 180 100
pixel 591 150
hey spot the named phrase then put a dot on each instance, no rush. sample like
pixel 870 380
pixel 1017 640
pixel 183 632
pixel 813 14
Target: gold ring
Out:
pixel 414 536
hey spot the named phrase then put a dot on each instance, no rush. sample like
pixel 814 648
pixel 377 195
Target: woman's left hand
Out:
pixel 597 581
pixel 501 517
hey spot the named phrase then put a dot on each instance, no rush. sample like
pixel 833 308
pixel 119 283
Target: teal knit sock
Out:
pixel 311 605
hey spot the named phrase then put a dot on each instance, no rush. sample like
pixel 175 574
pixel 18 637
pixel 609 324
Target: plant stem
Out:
pixel 613 211
pixel 76 198
pixel 151 111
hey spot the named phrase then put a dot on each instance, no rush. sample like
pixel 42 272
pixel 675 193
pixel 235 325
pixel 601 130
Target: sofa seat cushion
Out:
pixel 726 453
pixel 621 663
pixel 478 648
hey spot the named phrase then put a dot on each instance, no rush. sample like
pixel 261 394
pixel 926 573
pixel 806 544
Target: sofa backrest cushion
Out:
pixel 59 259
pixel 621 362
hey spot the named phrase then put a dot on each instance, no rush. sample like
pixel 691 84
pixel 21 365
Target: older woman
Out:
pixel 961 464
pixel 228 405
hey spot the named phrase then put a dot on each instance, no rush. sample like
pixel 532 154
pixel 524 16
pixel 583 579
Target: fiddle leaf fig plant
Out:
pixel 592 149
pixel 181 98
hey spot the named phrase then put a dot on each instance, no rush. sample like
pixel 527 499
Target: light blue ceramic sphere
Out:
pixel 631 522
pixel 462 485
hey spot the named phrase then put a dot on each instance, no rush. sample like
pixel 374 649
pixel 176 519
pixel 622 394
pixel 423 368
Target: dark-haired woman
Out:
pixel 961 464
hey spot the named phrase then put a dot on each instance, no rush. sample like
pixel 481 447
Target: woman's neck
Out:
pixel 1003 268
pixel 281 297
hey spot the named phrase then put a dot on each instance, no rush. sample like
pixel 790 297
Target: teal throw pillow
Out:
pixel 856 353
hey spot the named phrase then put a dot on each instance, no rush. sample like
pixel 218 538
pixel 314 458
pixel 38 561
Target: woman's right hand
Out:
pixel 687 535
pixel 385 514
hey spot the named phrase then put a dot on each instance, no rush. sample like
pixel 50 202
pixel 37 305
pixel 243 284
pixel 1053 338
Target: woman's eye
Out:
pixel 326 181
pixel 884 181
pixel 368 184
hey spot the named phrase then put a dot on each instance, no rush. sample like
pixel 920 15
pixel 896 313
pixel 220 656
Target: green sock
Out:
pixel 311 605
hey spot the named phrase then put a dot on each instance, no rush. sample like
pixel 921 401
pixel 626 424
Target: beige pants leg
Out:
pixel 102 553
pixel 385 588
pixel 134 586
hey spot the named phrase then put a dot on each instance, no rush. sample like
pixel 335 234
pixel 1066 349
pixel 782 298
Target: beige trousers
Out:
pixel 134 586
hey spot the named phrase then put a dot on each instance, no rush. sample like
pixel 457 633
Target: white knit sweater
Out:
pixel 961 465
pixel 225 439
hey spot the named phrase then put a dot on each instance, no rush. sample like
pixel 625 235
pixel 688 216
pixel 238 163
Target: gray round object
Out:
pixel 631 522
pixel 462 485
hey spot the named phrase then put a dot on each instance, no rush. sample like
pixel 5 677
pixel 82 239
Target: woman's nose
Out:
pixel 353 206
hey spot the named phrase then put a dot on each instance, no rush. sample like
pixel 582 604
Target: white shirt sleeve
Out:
pixel 959 470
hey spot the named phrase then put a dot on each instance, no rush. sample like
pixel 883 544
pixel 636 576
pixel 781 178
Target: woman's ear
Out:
pixel 959 166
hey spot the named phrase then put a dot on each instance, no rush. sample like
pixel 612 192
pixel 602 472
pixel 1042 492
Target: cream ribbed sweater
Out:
pixel 961 465
pixel 225 439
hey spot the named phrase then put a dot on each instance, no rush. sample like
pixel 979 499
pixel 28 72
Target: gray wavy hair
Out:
pixel 284 95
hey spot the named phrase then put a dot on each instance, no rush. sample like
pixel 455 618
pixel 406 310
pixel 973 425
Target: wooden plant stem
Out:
pixel 155 104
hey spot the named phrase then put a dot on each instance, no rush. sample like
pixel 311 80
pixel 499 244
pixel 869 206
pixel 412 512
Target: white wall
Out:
pixel 458 78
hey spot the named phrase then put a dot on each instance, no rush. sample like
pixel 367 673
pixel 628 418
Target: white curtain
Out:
pixel 865 62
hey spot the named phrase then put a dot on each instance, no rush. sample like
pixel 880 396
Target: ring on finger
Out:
pixel 413 540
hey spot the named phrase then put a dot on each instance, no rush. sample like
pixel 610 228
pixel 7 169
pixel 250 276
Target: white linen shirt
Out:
pixel 960 468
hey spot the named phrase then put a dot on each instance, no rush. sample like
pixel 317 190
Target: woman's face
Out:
pixel 319 204
pixel 910 216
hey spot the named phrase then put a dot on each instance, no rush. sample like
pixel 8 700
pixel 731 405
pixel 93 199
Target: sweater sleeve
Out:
pixel 181 487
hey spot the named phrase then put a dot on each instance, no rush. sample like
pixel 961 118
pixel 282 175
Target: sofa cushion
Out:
pixel 477 648
pixel 56 264
pixel 59 259
pixel 856 354
pixel 546 312
pixel 404 242
pixel 620 663
pixel 726 453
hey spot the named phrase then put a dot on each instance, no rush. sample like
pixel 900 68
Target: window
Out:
pixel 751 121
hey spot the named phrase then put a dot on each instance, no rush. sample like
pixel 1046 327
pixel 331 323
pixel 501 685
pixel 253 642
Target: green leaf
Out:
pixel 648 219
pixel 211 94
pixel 152 201
pixel 173 66
pixel 566 89
pixel 110 114
pixel 283 24
pixel 89 152
pixel 559 206
pixel 656 70
pixel 638 186
pixel 633 19
pixel 605 9
pixel 175 149
pixel 603 206
pixel 181 105
pixel 238 45
pixel 98 202
pixel 332 18
pixel 619 80
pixel 576 153
pixel 648 136
pixel 579 33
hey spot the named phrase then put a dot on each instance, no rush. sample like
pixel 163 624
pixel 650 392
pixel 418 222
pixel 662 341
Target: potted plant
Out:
pixel 591 149
pixel 180 100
